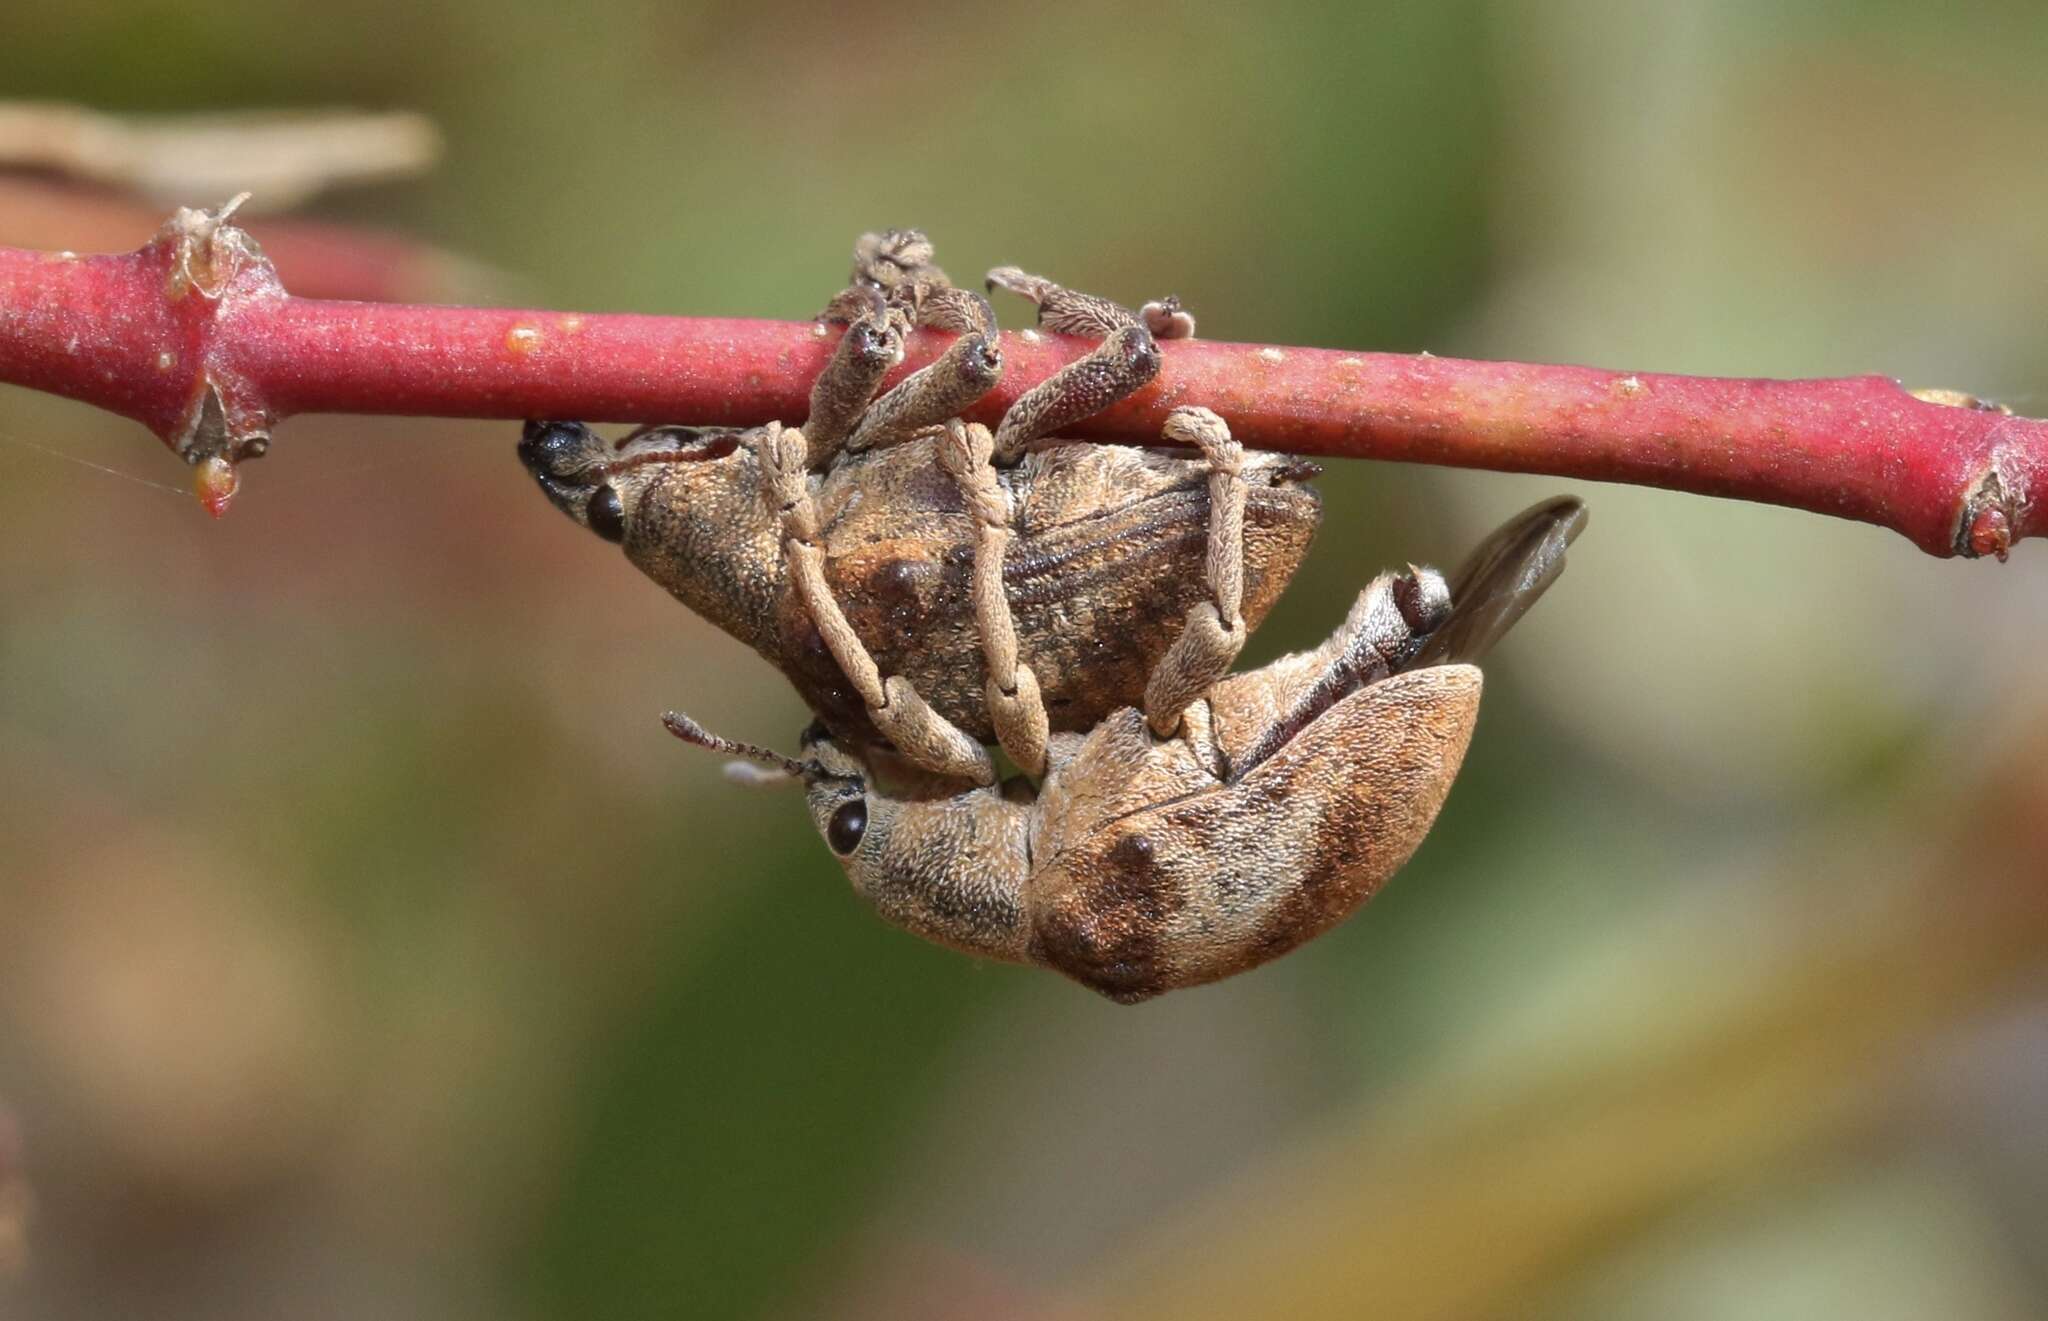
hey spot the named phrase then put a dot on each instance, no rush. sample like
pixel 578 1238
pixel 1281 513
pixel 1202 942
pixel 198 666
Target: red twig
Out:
pixel 194 336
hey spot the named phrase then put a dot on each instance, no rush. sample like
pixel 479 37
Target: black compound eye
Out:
pixel 848 824
pixel 605 515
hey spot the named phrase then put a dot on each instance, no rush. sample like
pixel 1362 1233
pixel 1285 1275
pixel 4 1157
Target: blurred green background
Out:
pixel 367 949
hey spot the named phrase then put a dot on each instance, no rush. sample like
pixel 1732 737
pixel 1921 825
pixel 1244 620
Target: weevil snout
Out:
pixel 559 449
pixel 568 460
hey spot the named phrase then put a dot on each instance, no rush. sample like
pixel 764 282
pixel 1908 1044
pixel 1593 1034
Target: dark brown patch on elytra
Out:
pixel 1132 853
pixel 1109 948
pixel 1131 889
pixel 897 581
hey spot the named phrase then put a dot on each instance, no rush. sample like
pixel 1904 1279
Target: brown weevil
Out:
pixel 930 587
pixel 1283 799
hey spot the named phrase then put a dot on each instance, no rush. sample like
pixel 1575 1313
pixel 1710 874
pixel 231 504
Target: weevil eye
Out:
pixel 605 515
pixel 843 832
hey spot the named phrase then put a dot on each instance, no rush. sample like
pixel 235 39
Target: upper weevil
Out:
pixel 930 587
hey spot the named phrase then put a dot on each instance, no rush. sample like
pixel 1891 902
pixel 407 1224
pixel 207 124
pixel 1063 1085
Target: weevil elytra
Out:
pixel 873 554
pixel 1283 799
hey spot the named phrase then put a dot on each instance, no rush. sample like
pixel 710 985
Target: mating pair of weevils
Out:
pixel 929 585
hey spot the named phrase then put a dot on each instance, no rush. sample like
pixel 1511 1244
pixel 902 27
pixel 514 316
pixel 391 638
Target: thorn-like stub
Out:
pixel 1988 519
pixel 213 441
pixel 211 266
pixel 1991 533
pixel 215 482
pixel 208 253
pixel 212 430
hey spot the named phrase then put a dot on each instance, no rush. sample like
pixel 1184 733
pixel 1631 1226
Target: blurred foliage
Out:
pixel 367 949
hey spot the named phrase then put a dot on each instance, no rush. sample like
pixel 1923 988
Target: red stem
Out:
pixel 193 336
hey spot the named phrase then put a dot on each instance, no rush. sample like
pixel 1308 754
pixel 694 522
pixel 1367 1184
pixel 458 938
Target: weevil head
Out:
pixel 602 484
pixel 852 815
pixel 941 860
pixel 683 503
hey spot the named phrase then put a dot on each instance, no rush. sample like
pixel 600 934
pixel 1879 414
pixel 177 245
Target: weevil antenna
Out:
pixel 689 731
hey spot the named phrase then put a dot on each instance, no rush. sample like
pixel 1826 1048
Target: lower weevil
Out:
pixel 1284 798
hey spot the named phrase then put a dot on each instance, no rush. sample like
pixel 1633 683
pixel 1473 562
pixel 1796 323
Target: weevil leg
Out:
pixel 1126 360
pixel 1215 631
pixel 1411 621
pixel 1388 624
pixel 922 735
pixel 895 287
pixel 1065 311
pixel 1015 706
pixel 898 262
pixel 949 307
pixel 967 370
pixel 872 344
pixel 893 259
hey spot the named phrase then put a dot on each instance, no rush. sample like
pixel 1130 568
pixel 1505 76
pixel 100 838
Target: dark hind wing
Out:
pixel 1502 578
